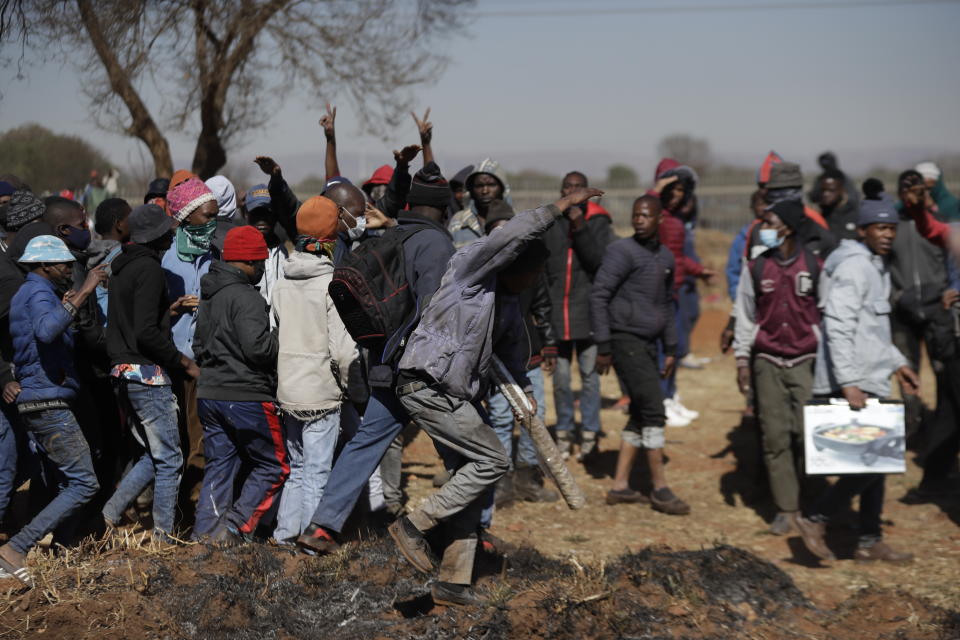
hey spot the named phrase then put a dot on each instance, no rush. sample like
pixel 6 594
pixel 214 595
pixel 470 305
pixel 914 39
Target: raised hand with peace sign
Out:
pixel 331 165
pixel 426 134
pixel 327 121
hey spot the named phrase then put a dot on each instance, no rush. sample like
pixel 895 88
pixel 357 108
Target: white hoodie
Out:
pixel 315 349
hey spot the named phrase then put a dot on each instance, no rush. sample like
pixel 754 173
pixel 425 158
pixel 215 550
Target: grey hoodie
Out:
pixel 857 349
pixel 465 225
pixel 467 320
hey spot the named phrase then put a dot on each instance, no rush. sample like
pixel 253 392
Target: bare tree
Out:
pixel 685 149
pixel 215 69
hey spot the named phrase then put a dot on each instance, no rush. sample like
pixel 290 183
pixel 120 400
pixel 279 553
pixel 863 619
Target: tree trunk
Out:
pixel 142 124
pixel 210 155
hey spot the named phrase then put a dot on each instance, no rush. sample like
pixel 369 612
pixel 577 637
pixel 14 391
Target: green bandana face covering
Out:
pixel 194 239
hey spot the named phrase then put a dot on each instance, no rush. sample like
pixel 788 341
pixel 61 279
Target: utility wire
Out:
pixel 765 6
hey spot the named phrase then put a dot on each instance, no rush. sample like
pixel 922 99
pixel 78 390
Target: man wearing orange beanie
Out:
pixel 235 393
pixel 315 355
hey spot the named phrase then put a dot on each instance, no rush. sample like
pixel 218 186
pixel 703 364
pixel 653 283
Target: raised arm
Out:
pixel 492 253
pixel 426 135
pixel 283 201
pixel 395 198
pixel 330 164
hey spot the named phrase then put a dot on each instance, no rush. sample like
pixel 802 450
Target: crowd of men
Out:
pixel 242 345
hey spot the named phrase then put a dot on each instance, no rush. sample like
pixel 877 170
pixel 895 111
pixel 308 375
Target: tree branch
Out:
pixel 142 123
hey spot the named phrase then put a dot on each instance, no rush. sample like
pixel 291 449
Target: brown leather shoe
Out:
pixel 812 534
pixel 413 545
pixel 883 552
pixel 667 502
pixel 626 496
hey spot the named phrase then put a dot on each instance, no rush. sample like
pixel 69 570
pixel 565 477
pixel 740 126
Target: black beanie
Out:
pixel 429 188
pixel 791 212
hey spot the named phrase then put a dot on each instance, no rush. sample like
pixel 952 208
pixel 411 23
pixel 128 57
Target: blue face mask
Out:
pixel 770 238
pixel 78 238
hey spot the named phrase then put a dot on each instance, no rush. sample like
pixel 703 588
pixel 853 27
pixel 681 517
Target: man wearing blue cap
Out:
pixel 41 319
pixel 855 360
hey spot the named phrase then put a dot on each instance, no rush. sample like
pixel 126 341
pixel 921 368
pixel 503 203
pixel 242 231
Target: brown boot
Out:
pixel 883 552
pixel 812 534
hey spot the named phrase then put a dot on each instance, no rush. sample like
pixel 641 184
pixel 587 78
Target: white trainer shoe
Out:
pixel 681 410
pixel 674 419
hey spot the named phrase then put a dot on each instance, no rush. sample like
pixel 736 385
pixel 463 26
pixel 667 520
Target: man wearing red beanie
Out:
pixel 236 394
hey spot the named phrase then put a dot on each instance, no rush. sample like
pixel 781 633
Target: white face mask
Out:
pixel 357 230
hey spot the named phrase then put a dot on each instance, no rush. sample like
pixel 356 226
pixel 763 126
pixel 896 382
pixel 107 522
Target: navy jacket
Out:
pixel 42 342
pixel 633 293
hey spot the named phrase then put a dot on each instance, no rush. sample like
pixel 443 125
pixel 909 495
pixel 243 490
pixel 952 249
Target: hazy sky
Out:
pixel 558 91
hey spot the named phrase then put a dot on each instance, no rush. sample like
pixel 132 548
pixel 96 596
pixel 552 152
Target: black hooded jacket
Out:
pixel 138 311
pixel 574 258
pixel 233 344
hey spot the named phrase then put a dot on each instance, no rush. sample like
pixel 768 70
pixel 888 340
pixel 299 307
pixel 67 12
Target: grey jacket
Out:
pixel 857 349
pixel 467 320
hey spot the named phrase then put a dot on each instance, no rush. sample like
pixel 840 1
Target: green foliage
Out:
pixel 620 176
pixel 48 161
pixel 685 149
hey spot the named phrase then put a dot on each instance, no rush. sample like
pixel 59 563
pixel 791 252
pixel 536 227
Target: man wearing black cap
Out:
pixel 143 356
pixel 776 329
pixel 855 360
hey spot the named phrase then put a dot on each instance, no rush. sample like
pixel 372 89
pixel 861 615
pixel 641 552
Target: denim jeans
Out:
pixel 590 386
pixel 61 442
pixel 382 422
pixel 152 414
pixel 8 463
pixel 310 447
pixel 501 419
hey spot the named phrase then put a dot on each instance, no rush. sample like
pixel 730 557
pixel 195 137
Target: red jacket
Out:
pixel 929 227
pixel 672 236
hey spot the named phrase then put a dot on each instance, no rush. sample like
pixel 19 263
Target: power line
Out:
pixel 766 6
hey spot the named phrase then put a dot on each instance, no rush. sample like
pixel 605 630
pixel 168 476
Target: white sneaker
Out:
pixel 681 410
pixel 674 419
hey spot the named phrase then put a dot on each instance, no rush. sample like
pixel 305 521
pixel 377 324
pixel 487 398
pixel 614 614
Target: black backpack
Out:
pixel 372 295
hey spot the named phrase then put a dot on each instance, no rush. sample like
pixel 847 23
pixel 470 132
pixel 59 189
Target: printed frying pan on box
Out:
pixel 868 442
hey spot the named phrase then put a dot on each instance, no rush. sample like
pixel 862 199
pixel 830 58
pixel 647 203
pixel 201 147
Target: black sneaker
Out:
pixel 318 540
pixel 413 545
pixel 454 595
